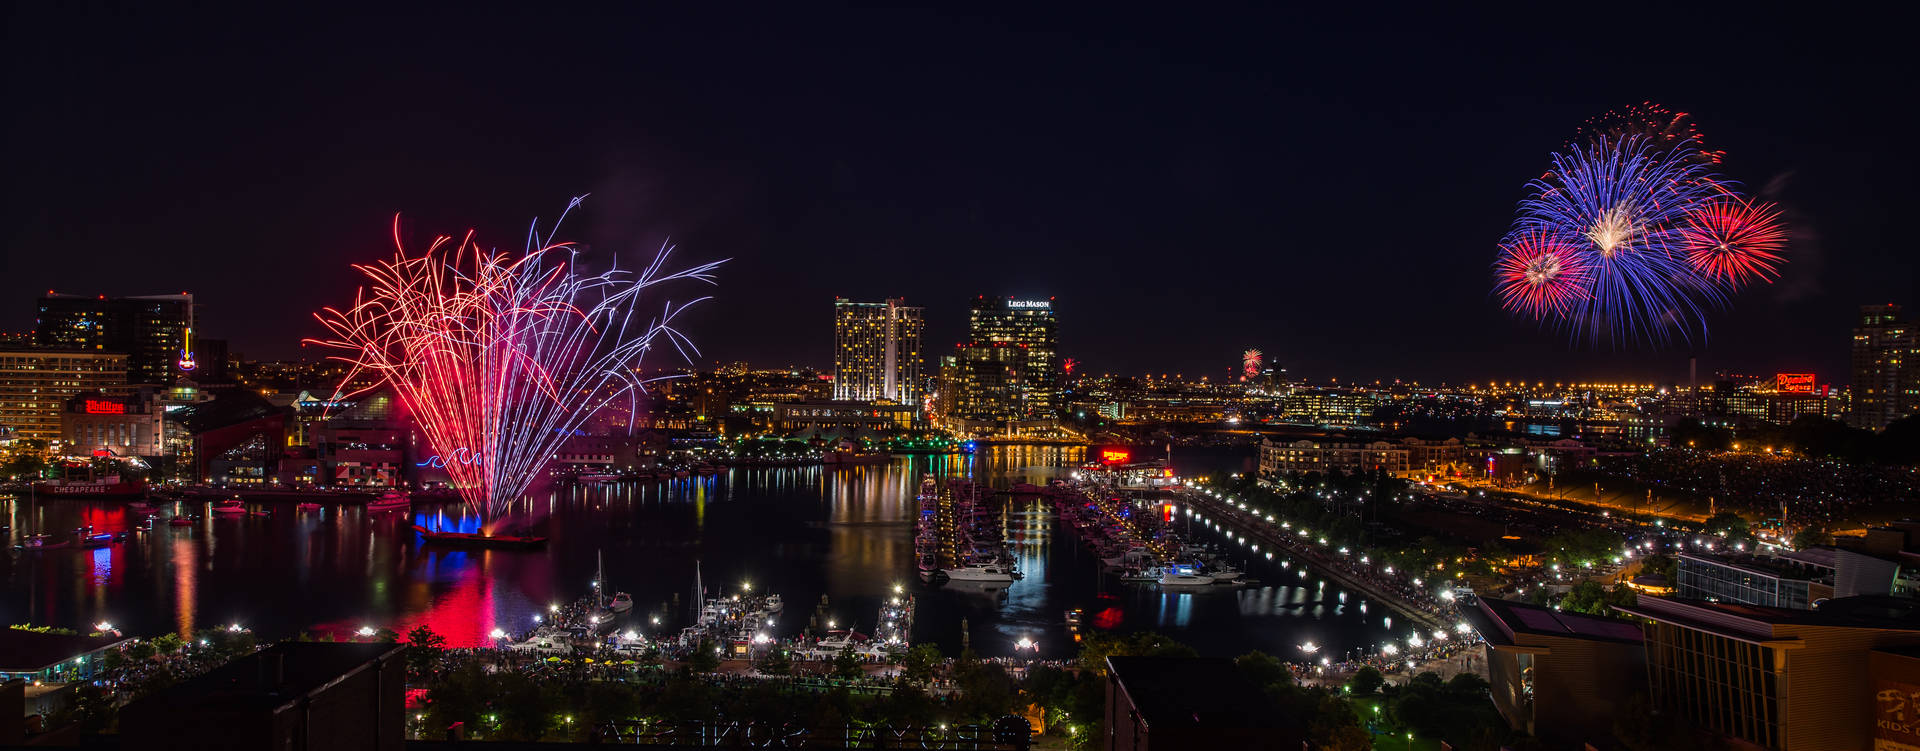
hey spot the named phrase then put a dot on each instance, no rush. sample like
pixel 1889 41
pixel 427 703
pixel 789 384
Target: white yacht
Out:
pixel 1174 579
pixel 981 572
pixel 545 642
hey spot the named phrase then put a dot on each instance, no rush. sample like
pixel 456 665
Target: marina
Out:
pixel 850 533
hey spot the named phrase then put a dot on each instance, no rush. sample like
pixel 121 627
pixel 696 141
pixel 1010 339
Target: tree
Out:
pixel 168 643
pixel 1335 727
pixel 847 665
pixel 1262 669
pixel 1365 681
pixel 705 658
pixel 1729 525
pixel 1811 537
pixel 775 662
pixel 918 664
pixel 1098 647
pixel 424 648
pixel 385 636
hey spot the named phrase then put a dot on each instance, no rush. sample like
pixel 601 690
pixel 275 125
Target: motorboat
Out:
pixel 545 642
pixel 181 521
pixel 229 507
pixel 621 602
pixel 1184 580
pixel 391 500
pixel 981 572
pixel 1225 574
pixel 773 604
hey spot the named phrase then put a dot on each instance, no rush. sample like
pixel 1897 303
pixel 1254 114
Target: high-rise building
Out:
pixel 36 383
pixel 1009 367
pixel 151 331
pixel 876 351
pixel 1886 375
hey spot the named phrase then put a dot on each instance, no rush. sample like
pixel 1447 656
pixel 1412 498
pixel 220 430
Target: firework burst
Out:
pixel 1631 235
pixel 500 358
pixel 1538 276
pixel 1735 241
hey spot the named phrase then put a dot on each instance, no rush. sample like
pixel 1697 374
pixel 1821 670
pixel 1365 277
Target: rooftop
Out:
pixel 1500 620
pixel 1755 621
pixel 253 681
pixel 1192 692
pixel 31 651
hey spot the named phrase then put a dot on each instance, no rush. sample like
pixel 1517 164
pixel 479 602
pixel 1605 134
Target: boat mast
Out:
pixel 599 578
pixel 699 592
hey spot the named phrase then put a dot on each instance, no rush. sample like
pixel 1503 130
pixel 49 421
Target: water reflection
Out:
pixel 842 533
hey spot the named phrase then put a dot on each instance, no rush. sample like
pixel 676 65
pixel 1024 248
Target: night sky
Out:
pixel 1187 185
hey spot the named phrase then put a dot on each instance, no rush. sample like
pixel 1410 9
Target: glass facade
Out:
pixel 1728 686
pixel 1702 579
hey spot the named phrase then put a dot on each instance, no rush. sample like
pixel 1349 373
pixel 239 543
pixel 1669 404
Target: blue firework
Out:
pixel 1621 205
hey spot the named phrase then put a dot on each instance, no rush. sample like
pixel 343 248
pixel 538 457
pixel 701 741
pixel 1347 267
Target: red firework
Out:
pixel 1734 241
pixel 1538 275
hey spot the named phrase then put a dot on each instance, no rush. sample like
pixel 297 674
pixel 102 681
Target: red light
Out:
pixel 1794 383
pixel 97 407
pixel 1115 456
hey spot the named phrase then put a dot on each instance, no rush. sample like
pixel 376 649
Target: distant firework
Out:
pixel 500 358
pixel 1250 364
pixel 1632 235
pixel 1656 125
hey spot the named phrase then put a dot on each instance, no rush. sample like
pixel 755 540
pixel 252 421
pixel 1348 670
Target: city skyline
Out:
pixel 1196 249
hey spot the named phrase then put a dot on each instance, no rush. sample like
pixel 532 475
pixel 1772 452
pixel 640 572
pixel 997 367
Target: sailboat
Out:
pixel 621 602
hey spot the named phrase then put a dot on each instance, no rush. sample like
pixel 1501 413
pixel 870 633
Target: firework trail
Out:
pixel 1632 236
pixel 500 358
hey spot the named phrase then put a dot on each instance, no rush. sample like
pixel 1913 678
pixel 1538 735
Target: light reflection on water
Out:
pixel 803 532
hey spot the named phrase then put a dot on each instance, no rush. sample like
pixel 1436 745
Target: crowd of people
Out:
pixel 1816 491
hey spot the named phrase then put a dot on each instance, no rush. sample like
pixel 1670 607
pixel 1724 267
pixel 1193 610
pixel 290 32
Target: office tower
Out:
pixel 35 385
pixel 1010 360
pixel 876 351
pixel 151 331
pixel 1886 378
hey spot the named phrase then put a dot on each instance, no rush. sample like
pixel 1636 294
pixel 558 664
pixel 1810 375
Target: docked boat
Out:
pixel 308 506
pixel 598 477
pixel 392 500
pixel 229 507
pixel 981 572
pixel 1184 580
pixel 181 521
pixel 621 602
pixel 546 641
pixel 773 604
pixel 470 539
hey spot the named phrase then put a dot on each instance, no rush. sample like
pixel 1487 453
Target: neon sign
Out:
pixel 186 352
pixel 1794 383
pixel 98 407
pixel 461 455
pixel 1030 304
pixel 1115 456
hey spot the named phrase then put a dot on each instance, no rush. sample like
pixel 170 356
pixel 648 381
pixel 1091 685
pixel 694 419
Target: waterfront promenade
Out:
pixel 1273 535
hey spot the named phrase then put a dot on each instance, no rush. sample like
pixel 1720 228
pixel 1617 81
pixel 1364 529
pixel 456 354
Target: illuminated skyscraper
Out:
pixel 151 331
pixel 1886 375
pixel 876 351
pixel 1009 368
